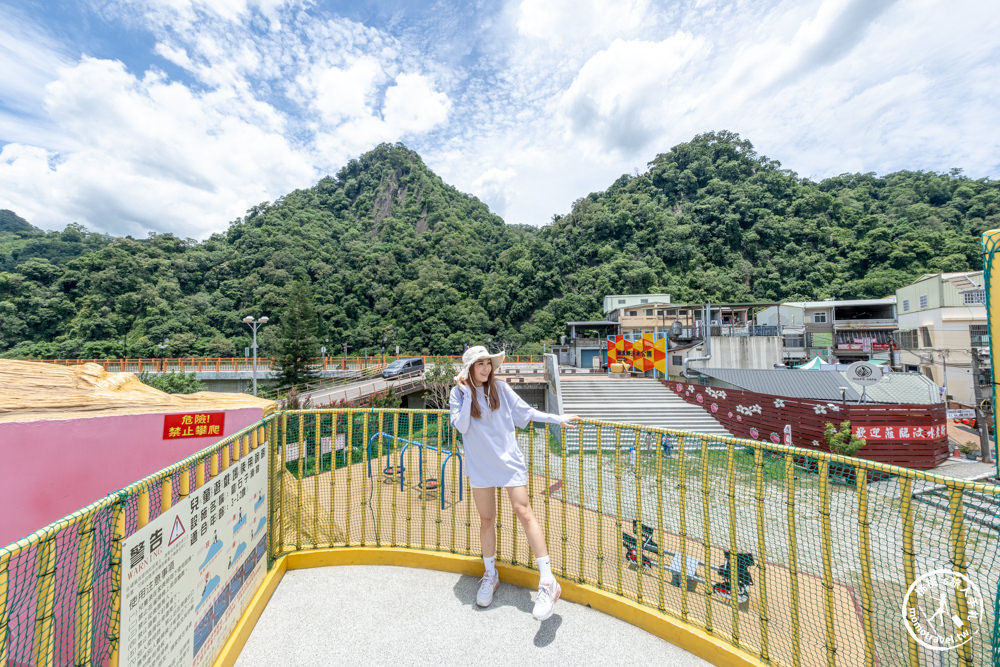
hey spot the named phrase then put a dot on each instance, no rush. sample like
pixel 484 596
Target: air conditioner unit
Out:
pixel 715 323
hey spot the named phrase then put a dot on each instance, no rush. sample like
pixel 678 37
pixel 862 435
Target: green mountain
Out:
pixel 713 219
pixel 394 256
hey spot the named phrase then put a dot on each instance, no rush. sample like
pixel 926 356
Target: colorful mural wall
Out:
pixel 643 354
pixel 914 436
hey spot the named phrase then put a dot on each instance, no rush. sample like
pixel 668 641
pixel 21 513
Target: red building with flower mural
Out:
pixel 911 435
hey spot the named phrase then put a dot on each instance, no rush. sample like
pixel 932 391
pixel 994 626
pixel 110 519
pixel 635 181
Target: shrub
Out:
pixel 172 383
pixel 842 441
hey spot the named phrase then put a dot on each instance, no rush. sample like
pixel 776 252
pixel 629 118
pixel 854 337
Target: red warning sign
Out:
pixel 194 425
pixel 176 531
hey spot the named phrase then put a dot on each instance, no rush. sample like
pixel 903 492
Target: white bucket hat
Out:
pixel 474 354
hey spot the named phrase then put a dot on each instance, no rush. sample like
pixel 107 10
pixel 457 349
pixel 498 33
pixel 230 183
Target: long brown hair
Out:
pixel 490 389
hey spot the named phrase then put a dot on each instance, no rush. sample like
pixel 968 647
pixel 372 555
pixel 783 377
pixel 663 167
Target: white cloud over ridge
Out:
pixel 529 106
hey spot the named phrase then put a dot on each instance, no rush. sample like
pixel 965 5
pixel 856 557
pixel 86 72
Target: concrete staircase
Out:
pixel 634 401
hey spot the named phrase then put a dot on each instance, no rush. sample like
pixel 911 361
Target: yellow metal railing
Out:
pixel 793 556
pixel 835 542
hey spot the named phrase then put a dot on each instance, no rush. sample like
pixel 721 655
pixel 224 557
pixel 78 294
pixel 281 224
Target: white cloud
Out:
pixel 530 107
pixel 562 23
pixel 494 188
pixel 342 93
pixel 621 95
pixel 152 155
pixel 412 105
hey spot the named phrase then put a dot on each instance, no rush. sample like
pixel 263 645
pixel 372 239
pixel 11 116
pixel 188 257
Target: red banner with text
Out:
pixel 897 432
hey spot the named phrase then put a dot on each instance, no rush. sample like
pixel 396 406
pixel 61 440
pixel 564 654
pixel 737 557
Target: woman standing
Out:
pixel 486 411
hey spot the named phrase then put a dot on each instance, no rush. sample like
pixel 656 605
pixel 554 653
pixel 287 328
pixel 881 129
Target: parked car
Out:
pixel 403 367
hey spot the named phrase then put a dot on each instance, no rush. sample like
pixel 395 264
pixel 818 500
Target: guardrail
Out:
pixel 241 364
pixel 355 390
pixel 793 556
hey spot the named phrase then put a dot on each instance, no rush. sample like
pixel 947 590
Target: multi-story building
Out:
pixel 942 324
pixel 638 314
pixel 842 331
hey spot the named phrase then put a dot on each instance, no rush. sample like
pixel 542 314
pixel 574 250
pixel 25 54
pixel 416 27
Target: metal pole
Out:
pixel 984 437
pixel 254 323
pixel 254 368
pixel 944 361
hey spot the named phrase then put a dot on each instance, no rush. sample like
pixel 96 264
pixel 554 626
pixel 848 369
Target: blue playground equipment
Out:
pixel 429 484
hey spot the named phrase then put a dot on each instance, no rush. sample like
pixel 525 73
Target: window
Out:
pixel 678 360
pixel 632 313
pixel 621 302
pixel 643 300
pixel 906 305
pixel 974 297
pixel 907 339
pixel 682 313
pixel 672 313
pixel 925 334
pixel 649 312
pixel 659 313
pixel 798 340
pixel 923 301
pixel 819 318
pixel 978 335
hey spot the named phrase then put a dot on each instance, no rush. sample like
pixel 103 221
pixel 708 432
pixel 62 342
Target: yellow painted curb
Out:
pixel 689 638
pixel 241 633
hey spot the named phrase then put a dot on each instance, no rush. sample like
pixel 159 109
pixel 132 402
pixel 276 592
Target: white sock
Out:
pixel 544 570
pixel 490 563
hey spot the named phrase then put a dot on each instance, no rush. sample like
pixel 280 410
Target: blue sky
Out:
pixel 133 116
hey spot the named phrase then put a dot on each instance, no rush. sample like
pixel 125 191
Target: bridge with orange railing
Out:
pixel 245 365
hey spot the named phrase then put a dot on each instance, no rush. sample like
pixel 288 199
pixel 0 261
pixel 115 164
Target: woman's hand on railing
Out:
pixel 570 421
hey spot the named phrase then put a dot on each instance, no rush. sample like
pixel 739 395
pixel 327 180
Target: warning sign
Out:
pixel 176 531
pixel 194 425
pixel 188 575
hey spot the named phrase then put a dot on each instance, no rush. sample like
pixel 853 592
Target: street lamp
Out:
pixel 163 354
pixel 254 324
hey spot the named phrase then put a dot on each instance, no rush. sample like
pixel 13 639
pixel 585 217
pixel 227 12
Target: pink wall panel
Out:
pixel 52 468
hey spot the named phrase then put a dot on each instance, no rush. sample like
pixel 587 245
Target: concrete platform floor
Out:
pixel 380 615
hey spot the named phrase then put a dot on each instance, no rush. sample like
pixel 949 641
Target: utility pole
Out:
pixel 977 385
pixel 944 361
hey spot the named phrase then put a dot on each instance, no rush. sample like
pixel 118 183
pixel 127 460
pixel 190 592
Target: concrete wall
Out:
pixel 553 399
pixel 734 352
pixel 533 394
pixel 55 467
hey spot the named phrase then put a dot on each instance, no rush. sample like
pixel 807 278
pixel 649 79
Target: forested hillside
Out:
pixel 394 256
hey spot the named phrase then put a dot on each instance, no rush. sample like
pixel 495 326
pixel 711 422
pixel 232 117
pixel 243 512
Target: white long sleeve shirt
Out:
pixel 492 455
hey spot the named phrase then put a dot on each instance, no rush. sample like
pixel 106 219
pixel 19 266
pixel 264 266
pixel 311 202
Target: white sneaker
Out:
pixel 487 587
pixel 548 593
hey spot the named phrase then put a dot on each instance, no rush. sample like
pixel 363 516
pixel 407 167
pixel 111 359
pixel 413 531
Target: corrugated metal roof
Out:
pixel 900 388
pixel 845 302
pixel 825 385
pixel 794 383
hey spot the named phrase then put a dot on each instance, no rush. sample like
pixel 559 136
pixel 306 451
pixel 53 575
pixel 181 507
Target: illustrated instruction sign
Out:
pixel 188 575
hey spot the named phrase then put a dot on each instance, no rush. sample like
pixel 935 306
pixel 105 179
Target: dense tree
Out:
pixel 297 344
pixel 393 256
